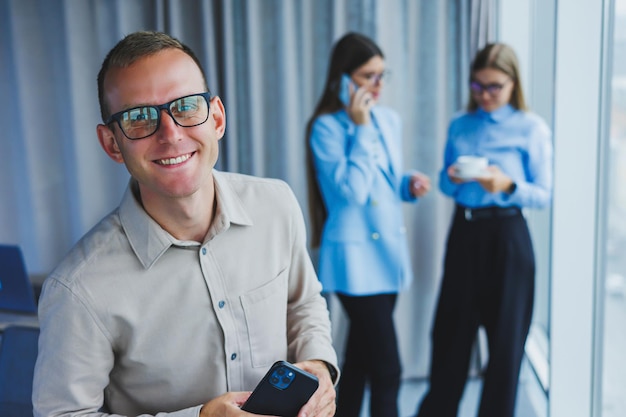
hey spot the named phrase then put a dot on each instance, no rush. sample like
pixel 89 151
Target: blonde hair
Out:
pixel 501 57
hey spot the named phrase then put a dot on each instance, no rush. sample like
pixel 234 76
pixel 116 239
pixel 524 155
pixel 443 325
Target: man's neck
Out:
pixel 185 218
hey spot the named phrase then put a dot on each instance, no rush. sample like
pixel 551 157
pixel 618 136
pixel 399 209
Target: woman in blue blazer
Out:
pixel 356 190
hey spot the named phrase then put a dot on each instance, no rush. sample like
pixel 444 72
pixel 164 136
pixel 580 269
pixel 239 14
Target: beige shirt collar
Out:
pixel 149 240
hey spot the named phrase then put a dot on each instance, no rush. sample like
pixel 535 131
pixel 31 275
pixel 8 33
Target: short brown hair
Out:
pixel 130 49
pixel 501 57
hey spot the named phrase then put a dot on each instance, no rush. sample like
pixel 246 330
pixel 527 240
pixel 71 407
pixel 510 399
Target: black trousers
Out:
pixel 488 280
pixel 371 357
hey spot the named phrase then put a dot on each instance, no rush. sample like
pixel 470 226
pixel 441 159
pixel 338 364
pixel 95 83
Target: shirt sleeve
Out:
pixel 75 358
pixel 308 320
pixel 344 158
pixel 535 190
pixel 405 188
pixel 445 185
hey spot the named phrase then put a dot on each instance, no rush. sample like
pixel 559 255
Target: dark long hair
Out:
pixel 348 54
pixel 501 57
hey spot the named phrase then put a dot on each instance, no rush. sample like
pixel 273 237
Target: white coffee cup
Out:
pixel 471 166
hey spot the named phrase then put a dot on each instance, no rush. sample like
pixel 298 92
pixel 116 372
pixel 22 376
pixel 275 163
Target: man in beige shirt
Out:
pixel 179 301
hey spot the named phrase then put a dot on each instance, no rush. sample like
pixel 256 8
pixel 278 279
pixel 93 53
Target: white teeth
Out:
pixel 174 161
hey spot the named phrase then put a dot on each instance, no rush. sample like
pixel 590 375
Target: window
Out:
pixel 613 299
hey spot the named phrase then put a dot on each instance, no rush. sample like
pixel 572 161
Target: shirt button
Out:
pixel 375 236
pixel 204 251
pixel 233 356
pixel 221 304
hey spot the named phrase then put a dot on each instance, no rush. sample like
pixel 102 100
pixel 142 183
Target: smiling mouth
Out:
pixel 174 161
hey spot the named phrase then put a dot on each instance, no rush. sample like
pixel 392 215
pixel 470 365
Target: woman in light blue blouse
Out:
pixel 356 190
pixel 489 267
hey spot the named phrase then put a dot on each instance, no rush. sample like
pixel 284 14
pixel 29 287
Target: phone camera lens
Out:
pixel 274 380
pixel 286 380
pixel 280 371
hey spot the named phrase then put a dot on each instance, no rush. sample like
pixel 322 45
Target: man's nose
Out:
pixel 168 128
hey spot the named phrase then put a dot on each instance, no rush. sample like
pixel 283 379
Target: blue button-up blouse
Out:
pixel 518 142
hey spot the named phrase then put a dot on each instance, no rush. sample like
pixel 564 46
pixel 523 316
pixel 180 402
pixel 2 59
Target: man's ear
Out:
pixel 108 143
pixel 219 116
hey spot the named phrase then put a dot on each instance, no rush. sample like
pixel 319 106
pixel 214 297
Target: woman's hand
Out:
pixel 453 176
pixel 419 184
pixel 495 181
pixel 361 102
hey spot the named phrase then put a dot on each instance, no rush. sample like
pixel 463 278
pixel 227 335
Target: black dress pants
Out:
pixel 488 280
pixel 371 357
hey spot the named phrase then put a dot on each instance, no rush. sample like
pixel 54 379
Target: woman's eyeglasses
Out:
pixel 374 78
pixel 493 89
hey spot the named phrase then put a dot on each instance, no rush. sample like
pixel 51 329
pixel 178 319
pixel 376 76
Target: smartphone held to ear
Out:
pixel 282 392
pixel 344 89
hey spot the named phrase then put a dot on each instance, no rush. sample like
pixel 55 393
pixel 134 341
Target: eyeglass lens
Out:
pixel 141 122
pixel 376 78
pixel 491 89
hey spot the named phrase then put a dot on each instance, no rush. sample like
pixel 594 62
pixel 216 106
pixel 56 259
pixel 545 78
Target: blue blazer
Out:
pixel 359 170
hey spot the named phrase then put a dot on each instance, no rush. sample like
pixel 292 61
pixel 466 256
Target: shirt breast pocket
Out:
pixel 265 310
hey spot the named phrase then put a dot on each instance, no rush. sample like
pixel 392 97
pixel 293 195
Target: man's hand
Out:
pixel 322 403
pixel 227 405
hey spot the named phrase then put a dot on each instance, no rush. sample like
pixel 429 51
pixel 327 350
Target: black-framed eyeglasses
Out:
pixel 143 121
pixel 493 89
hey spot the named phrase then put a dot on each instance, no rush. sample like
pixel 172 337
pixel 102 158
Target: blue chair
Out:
pixel 18 352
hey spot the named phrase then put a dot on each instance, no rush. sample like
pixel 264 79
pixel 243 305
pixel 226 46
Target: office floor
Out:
pixel 531 400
